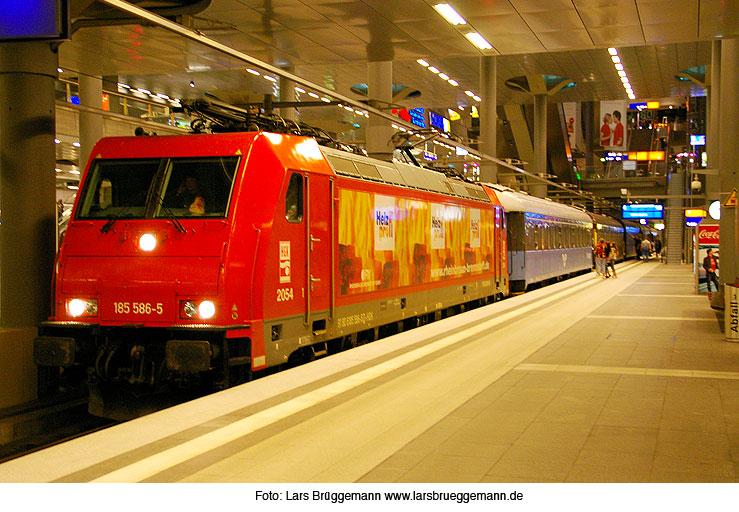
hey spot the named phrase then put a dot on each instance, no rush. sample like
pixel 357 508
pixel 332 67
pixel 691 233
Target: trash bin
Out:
pixel 731 313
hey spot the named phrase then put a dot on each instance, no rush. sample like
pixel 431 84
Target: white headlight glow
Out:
pixel 147 242
pixel 206 309
pixel 76 307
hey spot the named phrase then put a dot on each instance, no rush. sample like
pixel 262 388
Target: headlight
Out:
pixel 202 310
pixel 147 242
pixel 82 307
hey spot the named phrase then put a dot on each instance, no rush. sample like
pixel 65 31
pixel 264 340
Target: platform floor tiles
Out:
pixel 644 389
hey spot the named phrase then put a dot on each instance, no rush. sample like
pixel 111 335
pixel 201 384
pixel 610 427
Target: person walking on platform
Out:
pixel 606 258
pixel 646 248
pixel 612 255
pixel 710 265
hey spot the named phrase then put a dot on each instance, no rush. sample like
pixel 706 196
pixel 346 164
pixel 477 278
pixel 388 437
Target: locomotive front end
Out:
pixel 141 307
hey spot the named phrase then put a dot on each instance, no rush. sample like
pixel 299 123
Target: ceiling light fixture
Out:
pixel 253 71
pixel 453 82
pixel 612 51
pixel 433 69
pixel 479 41
pixel 443 76
pixel 616 59
pixel 422 63
pixel 449 14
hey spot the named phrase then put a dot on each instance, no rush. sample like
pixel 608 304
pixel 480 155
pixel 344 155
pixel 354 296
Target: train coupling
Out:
pixel 188 356
pixel 54 351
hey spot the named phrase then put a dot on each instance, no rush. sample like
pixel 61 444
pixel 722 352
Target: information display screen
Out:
pixel 697 140
pixel 34 20
pixel 642 211
pixel 439 122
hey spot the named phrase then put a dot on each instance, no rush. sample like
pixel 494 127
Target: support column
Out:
pixel 728 164
pixel 287 93
pixel 27 200
pixel 91 123
pixel 713 132
pixel 540 143
pixel 488 117
pixel 380 94
pixel 588 116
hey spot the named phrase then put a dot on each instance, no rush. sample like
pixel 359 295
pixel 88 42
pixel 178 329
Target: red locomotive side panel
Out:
pixel 292 239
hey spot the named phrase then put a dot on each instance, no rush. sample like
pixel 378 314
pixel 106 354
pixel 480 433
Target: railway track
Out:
pixel 43 423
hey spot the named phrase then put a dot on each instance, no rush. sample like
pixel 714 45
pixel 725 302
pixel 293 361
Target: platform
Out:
pixel 588 380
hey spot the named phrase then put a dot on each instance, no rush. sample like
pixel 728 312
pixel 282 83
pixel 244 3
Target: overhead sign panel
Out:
pixel 439 122
pixel 34 20
pixel 642 211
pixel 418 117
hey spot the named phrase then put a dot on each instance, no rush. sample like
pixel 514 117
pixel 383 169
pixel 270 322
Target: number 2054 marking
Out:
pixel 284 294
pixel 138 308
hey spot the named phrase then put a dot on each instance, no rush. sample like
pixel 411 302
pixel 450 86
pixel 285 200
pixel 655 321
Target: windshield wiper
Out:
pixel 177 224
pixel 108 225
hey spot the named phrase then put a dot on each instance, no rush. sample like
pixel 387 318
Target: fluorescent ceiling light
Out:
pixel 270 78
pixel 612 51
pixel 622 73
pixel 299 89
pixel 253 71
pixel 433 69
pixel 453 82
pixel 624 79
pixel 469 93
pixel 479 41
pixel 443 76
pixel 449 14
pixel 476 98
pixel 422 62
pixel 616 59
pixel 620 67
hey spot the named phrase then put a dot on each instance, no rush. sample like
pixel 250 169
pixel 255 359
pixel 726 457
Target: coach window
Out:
pixel 294 199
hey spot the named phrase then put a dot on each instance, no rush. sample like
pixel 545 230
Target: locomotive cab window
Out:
pixel 294 199
pixel 118 188
pixel 158 187
pixel 196 187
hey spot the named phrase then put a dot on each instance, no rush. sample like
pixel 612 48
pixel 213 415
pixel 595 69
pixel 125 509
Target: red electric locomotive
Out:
pixel 193 261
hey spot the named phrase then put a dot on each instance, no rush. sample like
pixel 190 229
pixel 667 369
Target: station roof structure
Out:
pixel 329 42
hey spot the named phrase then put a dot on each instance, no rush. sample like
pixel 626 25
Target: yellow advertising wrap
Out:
pixel 388 242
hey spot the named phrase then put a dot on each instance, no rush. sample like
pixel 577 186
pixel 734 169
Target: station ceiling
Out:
pixel 329 42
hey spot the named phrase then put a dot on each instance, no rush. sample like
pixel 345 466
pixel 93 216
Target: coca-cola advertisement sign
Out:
pixel 708 235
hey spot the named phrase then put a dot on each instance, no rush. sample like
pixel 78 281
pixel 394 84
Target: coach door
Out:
pixel 319 256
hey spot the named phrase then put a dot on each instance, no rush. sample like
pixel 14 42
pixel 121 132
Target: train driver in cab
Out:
pixel 190 197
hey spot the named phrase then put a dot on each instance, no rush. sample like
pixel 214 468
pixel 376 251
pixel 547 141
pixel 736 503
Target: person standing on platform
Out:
pixel 612 255
pixel 600 259
pixel 710 265
pixel 637 246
